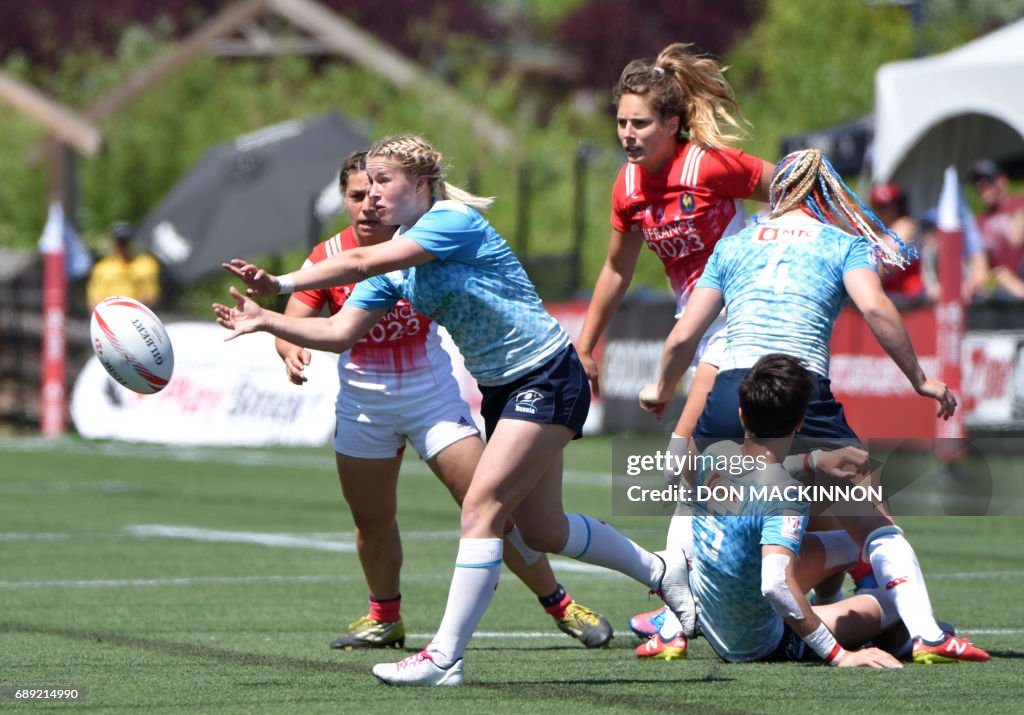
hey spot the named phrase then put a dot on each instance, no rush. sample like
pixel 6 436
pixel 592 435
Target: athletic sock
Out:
pixel 679 538
pixel 897 570
pixel 594 542
pixel 385 610
pixel 670 627
pixel 556 603
pixel 680 532
pixel 477 568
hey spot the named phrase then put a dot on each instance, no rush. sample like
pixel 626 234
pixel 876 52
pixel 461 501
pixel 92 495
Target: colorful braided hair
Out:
pixel 805 179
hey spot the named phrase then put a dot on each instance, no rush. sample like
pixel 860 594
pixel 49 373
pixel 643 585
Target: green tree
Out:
pixel 808 64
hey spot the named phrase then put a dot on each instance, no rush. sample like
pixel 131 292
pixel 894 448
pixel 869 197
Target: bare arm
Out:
pixel 865 290
pixel 764 183
pixel 703 307
pixel 335 334
pixel 1009 281
pixel 615 277
pixel 349 266
pixel 295 357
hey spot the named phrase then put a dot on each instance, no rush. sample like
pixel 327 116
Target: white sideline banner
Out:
pixel 221 393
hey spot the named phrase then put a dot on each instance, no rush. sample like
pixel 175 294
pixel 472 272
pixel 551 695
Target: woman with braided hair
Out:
pixel 450 264
pixel 783 282
pixel 681 189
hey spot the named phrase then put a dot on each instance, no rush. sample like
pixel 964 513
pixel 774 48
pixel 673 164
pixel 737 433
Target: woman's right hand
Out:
pixel 654 400
pixel 593 373
pixel 245 316
pixel 295 360
pixel 939 392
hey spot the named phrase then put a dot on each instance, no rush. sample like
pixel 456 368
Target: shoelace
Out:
pixel 581 615
pixel 413 660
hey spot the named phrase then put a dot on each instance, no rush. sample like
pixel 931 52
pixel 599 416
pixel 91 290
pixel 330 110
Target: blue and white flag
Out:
pixel 60 235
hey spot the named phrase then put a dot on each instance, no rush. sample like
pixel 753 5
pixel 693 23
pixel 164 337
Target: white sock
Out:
pixel 898 571
pixel 477 568
pixel 670 627
pixel 530 556
pixel 680 531
pixel 678 538
pixel 677 450
pixel 594 542
pixel 887 602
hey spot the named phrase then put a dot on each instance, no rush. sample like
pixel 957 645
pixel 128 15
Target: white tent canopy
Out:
pixel 949 109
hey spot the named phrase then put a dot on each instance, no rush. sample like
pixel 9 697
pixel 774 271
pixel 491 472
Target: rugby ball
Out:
pixel 132 344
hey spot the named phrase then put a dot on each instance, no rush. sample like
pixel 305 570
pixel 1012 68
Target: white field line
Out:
pixel 236 455
pixel 194 581
pixel 161 531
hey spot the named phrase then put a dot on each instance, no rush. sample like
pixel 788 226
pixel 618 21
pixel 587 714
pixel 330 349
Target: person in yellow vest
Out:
pixel 124 271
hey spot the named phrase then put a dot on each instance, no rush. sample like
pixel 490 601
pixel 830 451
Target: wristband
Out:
pixel 286 283
pixel 825 645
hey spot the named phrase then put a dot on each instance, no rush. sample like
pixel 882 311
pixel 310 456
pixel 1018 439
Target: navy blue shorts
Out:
pixel 557 392
pixel 791 648
pixel 824 419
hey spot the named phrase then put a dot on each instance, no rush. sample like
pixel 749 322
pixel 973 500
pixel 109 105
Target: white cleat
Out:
pixel 419 669
pixel 675 590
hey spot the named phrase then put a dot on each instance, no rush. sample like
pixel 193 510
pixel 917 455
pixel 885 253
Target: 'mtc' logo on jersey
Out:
pixel 768 234
pixel 687 203
pixel 526 401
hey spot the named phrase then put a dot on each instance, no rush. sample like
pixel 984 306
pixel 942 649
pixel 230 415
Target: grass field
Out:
pixel 202 580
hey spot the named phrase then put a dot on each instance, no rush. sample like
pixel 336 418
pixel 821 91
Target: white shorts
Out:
pixel 712 346
pixel 429 426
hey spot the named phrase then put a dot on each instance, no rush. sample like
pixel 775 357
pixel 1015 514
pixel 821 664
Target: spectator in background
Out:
pixel 975 264
pixel 1002 229
pixel 905 286
pixel 124 271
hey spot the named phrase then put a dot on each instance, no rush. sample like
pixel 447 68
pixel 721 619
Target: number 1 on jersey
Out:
pixel 775 274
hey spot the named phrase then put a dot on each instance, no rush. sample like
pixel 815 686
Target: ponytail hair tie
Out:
pixel 660 71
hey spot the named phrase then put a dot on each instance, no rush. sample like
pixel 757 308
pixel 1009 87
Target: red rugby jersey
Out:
pixel 683 209
pixel 398 343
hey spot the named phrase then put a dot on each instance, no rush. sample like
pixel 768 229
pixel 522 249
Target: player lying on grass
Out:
pixel 397 385
pixel 783 282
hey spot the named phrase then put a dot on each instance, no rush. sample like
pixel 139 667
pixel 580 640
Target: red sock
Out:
pixel 556 603
pixel 385 610
pixel 859 571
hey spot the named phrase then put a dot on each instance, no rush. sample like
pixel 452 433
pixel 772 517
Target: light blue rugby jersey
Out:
pixel 476 289
pixel 783 286
pixel 738 622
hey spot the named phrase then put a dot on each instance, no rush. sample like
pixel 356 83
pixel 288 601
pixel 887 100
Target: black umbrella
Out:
pixel 254 195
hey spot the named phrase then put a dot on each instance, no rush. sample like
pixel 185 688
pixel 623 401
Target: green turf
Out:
pixel 86 601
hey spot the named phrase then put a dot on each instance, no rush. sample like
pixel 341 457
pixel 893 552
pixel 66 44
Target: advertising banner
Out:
pixel 225 393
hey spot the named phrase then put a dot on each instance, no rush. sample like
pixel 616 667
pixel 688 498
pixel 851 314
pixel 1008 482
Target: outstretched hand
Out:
pixel 257 280
pixel 245 316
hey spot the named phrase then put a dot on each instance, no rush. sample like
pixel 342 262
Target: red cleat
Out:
pixel 656 647
pixel 950 649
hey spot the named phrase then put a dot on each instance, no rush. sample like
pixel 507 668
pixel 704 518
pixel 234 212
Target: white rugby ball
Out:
pixel 132 344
